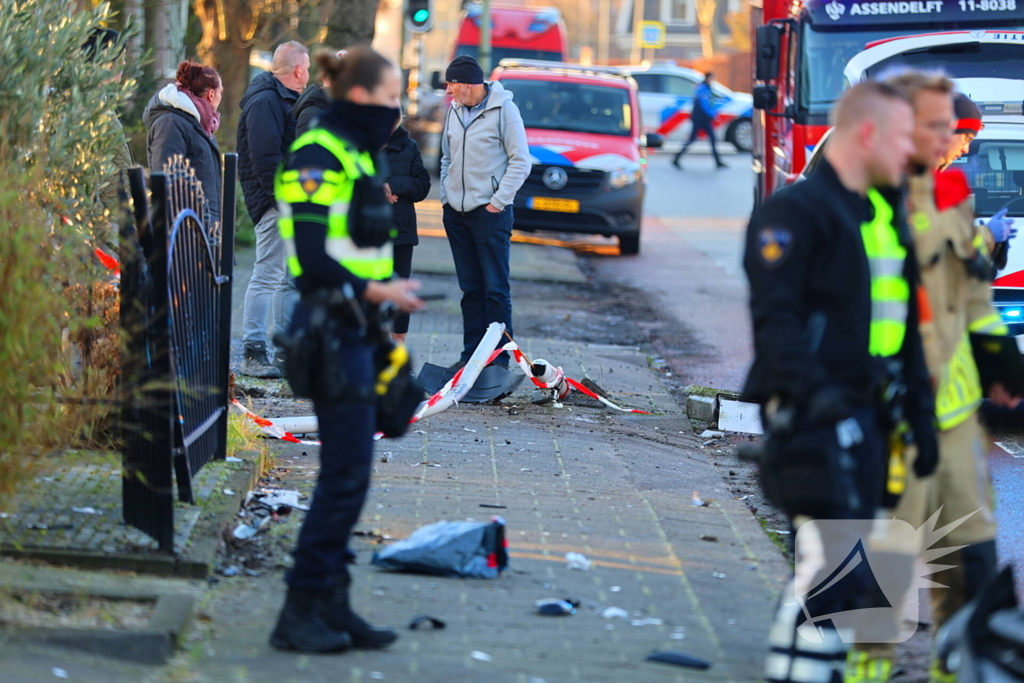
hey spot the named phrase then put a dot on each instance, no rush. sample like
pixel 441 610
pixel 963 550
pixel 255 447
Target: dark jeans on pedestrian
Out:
pixel 481 243
pixel 403 269
pixel 697 126
pixel 346 455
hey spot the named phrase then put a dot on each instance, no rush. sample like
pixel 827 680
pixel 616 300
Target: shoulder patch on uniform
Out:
pixel 311 179
pixel 774 245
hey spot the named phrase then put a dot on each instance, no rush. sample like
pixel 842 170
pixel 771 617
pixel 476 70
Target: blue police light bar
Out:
pixel 1013 315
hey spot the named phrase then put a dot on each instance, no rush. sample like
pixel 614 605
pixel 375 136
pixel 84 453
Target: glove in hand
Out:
pixel 1001 227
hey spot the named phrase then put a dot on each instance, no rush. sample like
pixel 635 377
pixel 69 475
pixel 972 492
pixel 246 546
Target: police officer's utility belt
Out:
pixel 315 369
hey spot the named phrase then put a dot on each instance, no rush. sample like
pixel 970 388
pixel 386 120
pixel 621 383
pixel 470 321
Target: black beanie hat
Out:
pixel 464 69
pixel 968 115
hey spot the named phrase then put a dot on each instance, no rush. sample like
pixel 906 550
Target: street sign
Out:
pixel 652 35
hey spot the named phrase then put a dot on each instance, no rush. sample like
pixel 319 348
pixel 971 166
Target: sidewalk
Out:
pixel 616 487
pixel 581 478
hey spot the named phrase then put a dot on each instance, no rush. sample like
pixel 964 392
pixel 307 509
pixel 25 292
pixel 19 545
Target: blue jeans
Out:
pixel 696 126
pixel 481 242
pixel 271 291
pixel 346 462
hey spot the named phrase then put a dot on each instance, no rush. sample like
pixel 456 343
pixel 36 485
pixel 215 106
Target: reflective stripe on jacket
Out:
pixel 959 303
pixel 890 292
pixel 332 189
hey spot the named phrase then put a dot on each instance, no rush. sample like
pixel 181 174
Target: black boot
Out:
pixel 339 616
pixel 300 626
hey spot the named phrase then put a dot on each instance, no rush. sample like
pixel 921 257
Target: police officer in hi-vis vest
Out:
pixel 336 224
pixel 838 365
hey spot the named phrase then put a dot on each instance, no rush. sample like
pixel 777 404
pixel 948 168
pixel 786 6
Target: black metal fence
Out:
pixel 176 271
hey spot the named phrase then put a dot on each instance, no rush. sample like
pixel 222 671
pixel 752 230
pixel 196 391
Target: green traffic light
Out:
pixel 421 16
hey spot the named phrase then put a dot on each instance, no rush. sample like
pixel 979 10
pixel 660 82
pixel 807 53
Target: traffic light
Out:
pixel 419 15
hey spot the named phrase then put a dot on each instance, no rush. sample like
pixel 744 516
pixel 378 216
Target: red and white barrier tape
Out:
pixel 556 381
pixel 269 428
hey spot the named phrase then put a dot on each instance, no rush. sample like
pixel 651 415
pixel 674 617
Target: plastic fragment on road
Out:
pixel 232 458
pixel 59 672
pixel 739 417
pixel 698 501
pixel 615 589
pixel 711 434
pixel 86 511
pixel 244 532
pixel 615 613
pixel 275 499
pixel 474 550
pixel 578 561
pixel 649 621
pixel 718 575
pixel 434 623
pixel 556 607
pixel 481 656
pixel 678 659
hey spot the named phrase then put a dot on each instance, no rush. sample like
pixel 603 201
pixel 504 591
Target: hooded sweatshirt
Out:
pixel 486 160
pixel 174 128
pixel 266 129
pixel 311 105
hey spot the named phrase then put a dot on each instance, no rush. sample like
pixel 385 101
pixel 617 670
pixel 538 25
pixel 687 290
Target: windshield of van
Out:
pixel 577 107
pixel 500 53
pixel 964 60
pixel 995 171
pixel 825 54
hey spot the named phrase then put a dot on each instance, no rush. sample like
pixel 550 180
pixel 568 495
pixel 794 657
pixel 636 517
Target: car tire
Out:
pixel 741 134
pixel 629 245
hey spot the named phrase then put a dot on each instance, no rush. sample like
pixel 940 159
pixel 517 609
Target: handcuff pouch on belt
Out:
pixel 313 363
pixel 808 469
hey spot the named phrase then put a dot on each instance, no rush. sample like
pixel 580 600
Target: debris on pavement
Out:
pixel 497 507
pixel 276 500
pixel 578 561
pixel 709 539
pixel 86 511
pixel 698 501
pixel 481 656
pixel 454 549
pixel 556 607
pixel 228 571
pixel 435 624
pixel 711 434
pixel 231 458
pixel 678 658
pixel 386 457
pixel 615 589
pixel 615 613
pixel 59 672
pixel 718 575
pixel 244 532
pixel 649 621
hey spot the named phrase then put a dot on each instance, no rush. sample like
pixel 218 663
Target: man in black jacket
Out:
pixel 312 104
pixel 266 130
pixel 833 280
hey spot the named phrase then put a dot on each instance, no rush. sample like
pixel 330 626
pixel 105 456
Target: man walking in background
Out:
pixel 485 159
pixel 266 130
pixel 702 119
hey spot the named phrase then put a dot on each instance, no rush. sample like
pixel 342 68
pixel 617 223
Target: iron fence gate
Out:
pixel 176 312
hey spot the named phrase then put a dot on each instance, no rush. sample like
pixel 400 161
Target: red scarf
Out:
pixel 209 118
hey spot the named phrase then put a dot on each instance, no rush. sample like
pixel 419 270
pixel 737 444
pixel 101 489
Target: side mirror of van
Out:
pixel 653 141
pixel 767 52
pixel 435 81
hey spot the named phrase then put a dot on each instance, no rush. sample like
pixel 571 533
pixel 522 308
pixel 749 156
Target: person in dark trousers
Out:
pixel 702 120
pixel 312 104
pixel 266 130
pixel 839 367
pixel 408 182
pixel 485 159
pixel 330 184
pixel 182 119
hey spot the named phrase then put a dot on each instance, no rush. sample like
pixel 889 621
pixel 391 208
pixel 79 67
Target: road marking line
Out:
pixel 1011 448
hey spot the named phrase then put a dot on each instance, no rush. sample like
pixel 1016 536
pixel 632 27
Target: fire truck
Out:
pixel 802 48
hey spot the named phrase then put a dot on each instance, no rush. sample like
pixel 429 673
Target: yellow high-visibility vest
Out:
pixel 890 291
pixel 333 189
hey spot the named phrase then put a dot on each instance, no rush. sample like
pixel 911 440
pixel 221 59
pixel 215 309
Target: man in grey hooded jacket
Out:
pixel 485 159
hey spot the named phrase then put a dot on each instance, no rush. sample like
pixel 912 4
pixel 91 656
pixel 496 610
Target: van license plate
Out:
pixel 553 204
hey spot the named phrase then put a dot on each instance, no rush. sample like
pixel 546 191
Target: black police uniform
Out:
pixel 810 283
pixel 317 615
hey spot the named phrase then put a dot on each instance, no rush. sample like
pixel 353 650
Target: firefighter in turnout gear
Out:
pixel 336 223
pixel 832 280
pixel 955 272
